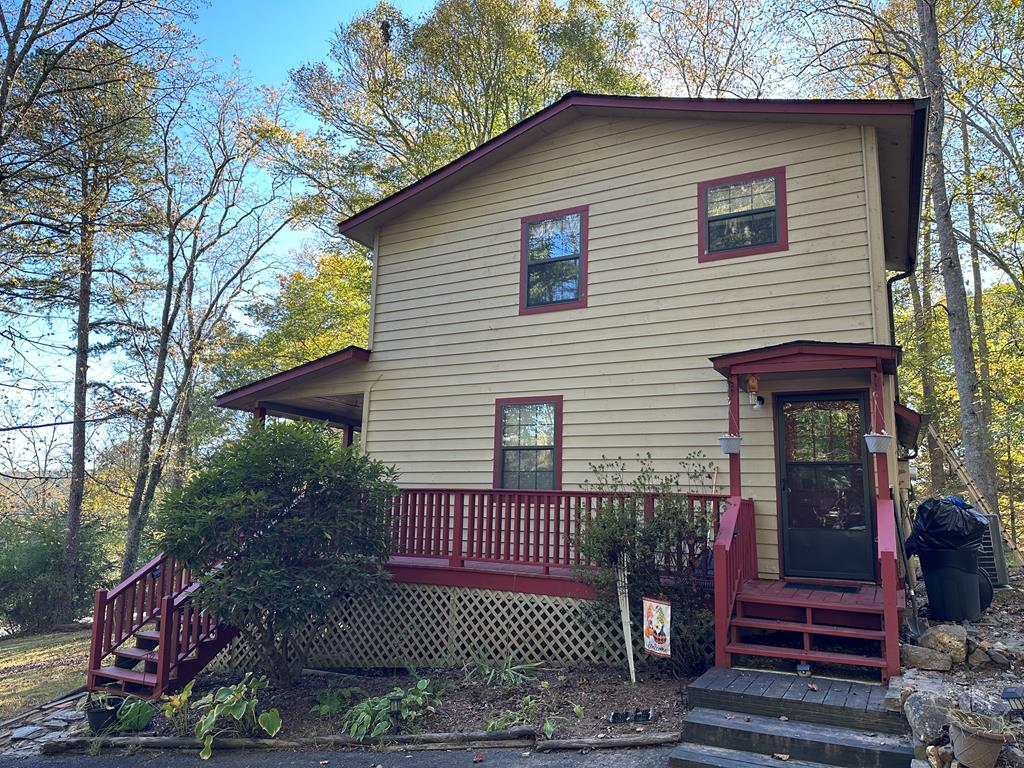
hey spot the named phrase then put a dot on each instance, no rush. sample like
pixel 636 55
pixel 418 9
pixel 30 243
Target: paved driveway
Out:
pixel 650 757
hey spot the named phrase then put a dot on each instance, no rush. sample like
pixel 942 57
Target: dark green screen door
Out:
pixel 826 516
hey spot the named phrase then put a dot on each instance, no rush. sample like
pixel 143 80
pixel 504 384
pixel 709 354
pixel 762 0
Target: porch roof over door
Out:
pixel 806 356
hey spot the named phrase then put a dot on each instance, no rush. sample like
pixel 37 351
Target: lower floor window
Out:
pixel 528 443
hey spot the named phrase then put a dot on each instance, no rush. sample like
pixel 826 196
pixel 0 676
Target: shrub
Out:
pixel 663 554
pixel 294 522
pixel 30 549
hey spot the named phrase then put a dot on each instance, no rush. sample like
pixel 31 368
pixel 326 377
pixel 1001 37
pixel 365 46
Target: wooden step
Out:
pixel 136 654
pixel 811 629
pixel 701 756
pixel 799 654
pixel 831 745
pixel 804 602
pixel 811 699
pixel 129 676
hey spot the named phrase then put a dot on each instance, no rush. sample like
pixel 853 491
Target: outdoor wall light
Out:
pixel 1015 698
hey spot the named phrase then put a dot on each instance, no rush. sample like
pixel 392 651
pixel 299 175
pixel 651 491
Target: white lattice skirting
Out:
pixel 432 626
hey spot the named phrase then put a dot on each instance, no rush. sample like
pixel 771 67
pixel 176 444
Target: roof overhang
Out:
pixel 807 357
pixel 273 393
pixel 900 127
pixel 908 426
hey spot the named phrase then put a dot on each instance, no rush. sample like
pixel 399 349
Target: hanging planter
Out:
pixel 877 442
pixel 730 444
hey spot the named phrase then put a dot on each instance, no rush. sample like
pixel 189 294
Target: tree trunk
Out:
pixel 921 295
pixel 978 303
pixel 972 419
pixel 68 568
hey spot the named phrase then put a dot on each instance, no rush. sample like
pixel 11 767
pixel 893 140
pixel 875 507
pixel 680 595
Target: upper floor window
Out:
pixel 553 270
pixel 528 443
pixel 742 215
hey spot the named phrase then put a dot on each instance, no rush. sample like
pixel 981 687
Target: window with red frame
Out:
pixel 743 215
pixel 528 443
pixel 554 261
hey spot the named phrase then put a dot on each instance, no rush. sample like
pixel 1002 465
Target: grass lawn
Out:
pixel 38 668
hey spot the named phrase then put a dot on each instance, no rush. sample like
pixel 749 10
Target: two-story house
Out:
pixel 622 275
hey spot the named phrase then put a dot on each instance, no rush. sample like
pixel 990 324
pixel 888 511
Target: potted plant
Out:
pixel 978 739
pixel 730 444
pixel 101 710
pixel 877 442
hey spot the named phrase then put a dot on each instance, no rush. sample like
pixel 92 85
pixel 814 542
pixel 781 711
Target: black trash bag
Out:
pixel 946 522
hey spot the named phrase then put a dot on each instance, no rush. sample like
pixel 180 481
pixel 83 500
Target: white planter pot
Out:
pixel 730 444
pixel 877 442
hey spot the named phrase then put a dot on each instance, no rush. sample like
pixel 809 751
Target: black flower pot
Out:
pixel 101 718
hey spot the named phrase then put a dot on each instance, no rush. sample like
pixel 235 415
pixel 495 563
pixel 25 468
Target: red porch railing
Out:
pixel 136 601
pixel 540 529
pixel 735 563
pixel 887 543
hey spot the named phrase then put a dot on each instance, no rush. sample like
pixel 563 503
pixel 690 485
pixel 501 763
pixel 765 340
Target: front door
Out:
pixel 826 515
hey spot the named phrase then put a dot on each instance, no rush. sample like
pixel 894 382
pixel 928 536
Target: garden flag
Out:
pixel 657 627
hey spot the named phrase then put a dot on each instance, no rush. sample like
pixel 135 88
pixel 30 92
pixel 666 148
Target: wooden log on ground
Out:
pixel 162 742
pixel 455 737
pixel 611 742
pixel 460 745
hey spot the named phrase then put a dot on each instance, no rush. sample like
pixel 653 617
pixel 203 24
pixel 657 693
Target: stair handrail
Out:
pixel 120 612
pixel 735 561
pixel 887 543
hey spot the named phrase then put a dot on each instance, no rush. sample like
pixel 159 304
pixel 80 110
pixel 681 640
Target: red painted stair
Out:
pixel 152 634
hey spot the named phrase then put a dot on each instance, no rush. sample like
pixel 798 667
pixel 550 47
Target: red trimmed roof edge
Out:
pixel 887 354
pixel 896 107
pixel 351 352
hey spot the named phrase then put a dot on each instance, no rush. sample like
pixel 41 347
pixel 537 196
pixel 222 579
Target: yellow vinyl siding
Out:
pixel 632 366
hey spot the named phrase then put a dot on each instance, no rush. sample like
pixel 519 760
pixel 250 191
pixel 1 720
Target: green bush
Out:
pixel 664 554
pixel 233 709
pixel 294 521
pixel 30 550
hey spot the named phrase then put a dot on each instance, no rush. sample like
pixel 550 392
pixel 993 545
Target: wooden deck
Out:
pixel 813 699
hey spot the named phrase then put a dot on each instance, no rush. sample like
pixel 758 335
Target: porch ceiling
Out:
pixel 808 356
pixel 274 395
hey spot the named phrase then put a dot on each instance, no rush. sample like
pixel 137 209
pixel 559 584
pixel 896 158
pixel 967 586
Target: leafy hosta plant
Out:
pixel 371 717
pixel 332 701
pixel 175 707
pixel 232 709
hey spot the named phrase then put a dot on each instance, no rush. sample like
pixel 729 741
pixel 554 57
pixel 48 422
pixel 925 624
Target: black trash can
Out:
pixel 951 578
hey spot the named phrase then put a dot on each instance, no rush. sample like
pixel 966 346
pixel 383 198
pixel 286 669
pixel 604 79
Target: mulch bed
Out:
pixel 471 705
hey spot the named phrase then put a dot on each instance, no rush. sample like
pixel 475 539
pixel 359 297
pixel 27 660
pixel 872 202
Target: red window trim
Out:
pixel 584 211
pixel 781 222
pixel 531 400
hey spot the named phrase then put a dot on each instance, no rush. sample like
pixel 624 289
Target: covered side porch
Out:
pixel 809 572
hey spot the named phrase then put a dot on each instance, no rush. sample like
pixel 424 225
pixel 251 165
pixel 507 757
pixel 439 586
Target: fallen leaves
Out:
pixel 780 756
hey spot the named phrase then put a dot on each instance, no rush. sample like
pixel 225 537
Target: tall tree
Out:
pixel 215 219
pixel 95 131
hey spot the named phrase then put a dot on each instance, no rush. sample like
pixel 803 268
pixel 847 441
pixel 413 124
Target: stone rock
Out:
pixel 26 732
pixel 978 659
pixel 925 658
pixel 928 715
pixel 947 638
pixel 998 658
pixel 1014 756
pixel 893 699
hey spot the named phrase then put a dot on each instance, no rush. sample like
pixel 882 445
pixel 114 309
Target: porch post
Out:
pixel 878 425
pixel 349 431
pixel 259 415
pixel 734 429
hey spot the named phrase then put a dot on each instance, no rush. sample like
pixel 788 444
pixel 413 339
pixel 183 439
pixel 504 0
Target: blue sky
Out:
pixel 270 37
